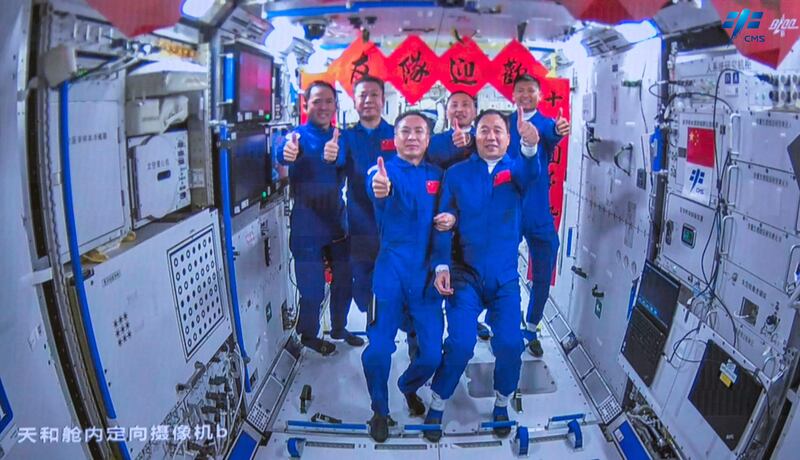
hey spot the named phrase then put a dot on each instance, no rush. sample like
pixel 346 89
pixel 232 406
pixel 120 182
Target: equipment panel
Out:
pixel 764 138
pixel 263 288
pixel 689 228
pixel 162 296
pixel 762 313
pixel 160 175
pixel 97 163
pixel 765 251
pixel 750 185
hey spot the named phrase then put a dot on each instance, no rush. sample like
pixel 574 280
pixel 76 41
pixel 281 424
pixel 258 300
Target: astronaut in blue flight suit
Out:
pixel 405 193
pixel 372 137
pixel 318 226
pixel 483 195
pixel 538 227
pixel 449 147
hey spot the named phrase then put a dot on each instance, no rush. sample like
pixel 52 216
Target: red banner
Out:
pixel 512 61
pixel 464 67
pixel 358 60
pixel 413 67
pixel 613 11
pixel 139 17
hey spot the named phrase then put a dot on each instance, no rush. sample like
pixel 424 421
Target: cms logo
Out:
pixel 744 19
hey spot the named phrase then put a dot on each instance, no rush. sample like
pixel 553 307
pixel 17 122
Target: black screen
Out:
pixel 725 394
pixel 251 171
pixel 254 83
pixel 658 293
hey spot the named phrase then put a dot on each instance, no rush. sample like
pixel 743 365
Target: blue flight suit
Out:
pixel 362 149
pixel 443 153
pixel 485 257
pixel 537 221
pixel 318 229
pixel 403 281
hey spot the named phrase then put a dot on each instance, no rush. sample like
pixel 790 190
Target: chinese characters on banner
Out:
pixel 511 62
pixel 464 67
pixel 414 69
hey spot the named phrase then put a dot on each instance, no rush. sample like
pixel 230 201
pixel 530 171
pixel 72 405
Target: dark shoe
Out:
pixel 415 404
pixel 483 332
pixel 322 347
pixel 434 417
pixel 535 348
pixel 351 339
pixel 500 414
pixel 379 428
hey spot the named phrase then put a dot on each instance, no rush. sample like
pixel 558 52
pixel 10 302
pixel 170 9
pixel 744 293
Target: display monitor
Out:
pixel 658 293
pixel 248 84
pixel 251 168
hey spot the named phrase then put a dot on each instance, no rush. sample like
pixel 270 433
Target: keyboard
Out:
pixel 643 344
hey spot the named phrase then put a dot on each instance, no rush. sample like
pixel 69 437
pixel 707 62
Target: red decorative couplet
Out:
pixel 464 67
pixel 413 68
pixel 139 17
pixel 512 61
pixel 358 60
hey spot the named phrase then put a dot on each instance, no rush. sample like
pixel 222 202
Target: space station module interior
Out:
pixel 153 250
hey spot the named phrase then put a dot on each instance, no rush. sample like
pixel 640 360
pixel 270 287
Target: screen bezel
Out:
pixel 245 202
pixel 240 115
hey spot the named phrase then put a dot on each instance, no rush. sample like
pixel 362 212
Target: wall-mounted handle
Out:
pixel 629 148
pixel 735 144
pixel 724 249
pixel 729 174
pixel 579 271
pixel 790 286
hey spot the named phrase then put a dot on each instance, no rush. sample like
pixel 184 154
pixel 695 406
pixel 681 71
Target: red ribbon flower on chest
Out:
pixel 502 177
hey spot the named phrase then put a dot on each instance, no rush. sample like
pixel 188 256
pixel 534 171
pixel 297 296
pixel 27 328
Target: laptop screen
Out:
pixel 658 293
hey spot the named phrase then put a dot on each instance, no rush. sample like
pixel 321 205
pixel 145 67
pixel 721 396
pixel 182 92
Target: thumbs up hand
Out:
pixel 381 185
pixel 292 148
pixel 461 137
pixel 562 125
pixel 528 132
pixel 331 150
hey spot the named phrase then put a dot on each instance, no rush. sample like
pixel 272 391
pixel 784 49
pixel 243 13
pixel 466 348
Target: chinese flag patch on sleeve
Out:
pixel 502 177
pixel 387 145
pixel 432 186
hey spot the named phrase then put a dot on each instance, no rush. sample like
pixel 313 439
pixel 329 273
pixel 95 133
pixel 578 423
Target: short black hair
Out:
pixel 487 112
pixel 413 113
pixel 320 84
pixel 527 77
pixel 371 79
pixel 460 92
